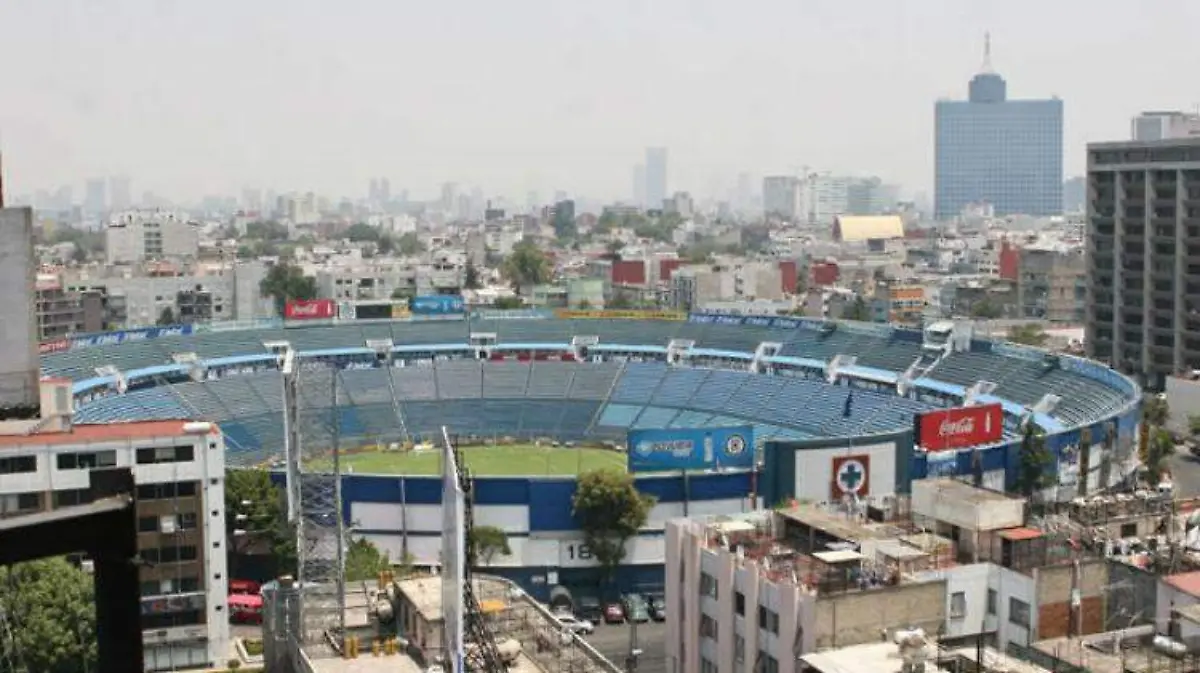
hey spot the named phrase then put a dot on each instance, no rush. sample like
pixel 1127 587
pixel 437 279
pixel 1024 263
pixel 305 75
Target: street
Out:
pixel 612 640
pixel 1185 472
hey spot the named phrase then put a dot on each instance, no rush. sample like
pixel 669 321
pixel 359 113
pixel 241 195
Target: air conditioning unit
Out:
pixel 167 524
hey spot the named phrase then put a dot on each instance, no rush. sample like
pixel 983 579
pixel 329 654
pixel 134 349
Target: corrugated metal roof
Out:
pixel 858 228
pixel 100 432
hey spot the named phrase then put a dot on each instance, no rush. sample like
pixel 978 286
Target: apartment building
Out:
pixel 1052 284
pixel 693 287
pixel 61 312
pixel 136 236
pixel 898 303
pixel 382 279
pixel 1143 258
pixel 178 467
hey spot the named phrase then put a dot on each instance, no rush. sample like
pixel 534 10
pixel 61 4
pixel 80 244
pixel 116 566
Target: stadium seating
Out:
pixel 591 380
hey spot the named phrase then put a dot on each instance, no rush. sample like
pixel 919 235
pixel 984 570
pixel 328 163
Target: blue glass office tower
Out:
pixel 1006 152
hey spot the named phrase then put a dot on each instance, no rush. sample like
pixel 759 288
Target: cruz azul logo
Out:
pixel 851 476
pixel 735 445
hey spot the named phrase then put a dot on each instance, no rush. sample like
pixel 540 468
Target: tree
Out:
pixel 256 523
pixel 167 317
pixel 286 282
pixel 527 265
pixel 267 231
pixel 1155 410
pixel 507 303
pixel 1194 425
pixel 484 544
pixel 471 276
pixel 610 510
pixel 364 561
pixel 362 232
pixel 402 293
pixel 620 301
pixel 1162 445
pixel 857 310
pixel 985 310
pixel 410 244
pixel 563 222
pixel 50 610
pixel 612 251
pixel 1031 334
pixel 1033 459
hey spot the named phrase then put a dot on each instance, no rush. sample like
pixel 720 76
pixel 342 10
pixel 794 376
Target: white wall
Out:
pixel 814 470
pixel 972 581
pixel 1010 584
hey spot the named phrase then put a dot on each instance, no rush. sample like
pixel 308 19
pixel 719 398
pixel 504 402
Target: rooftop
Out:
pixel 1188 583
pixel 952 489
pixel 107 432
pixel 841 526
pixel 425 594
pixel 873 658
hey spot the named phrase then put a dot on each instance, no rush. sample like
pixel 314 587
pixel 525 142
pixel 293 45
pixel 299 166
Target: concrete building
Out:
pixel 179 469
pixel 694 287
pixel 1165 125
pixel 1006 152
pixel 380 279
pixel 782 197
pixel 61 312
pixel 137 236
pixel 1143 233
pixel 1052 284
pixel 827 196
pixel 19 365
pixel 898 303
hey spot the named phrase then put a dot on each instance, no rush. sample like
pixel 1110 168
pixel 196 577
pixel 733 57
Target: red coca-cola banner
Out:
pixel 959 427
pixel 56 346
pixel 310 309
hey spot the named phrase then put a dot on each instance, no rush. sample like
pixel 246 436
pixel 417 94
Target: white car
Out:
pixel 575 625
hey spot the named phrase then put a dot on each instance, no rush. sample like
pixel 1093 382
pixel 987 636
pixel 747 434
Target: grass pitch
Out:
pixel 510 460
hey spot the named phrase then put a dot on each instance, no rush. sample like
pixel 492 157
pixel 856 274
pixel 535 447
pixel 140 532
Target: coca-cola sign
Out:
pixel 960 427
pixel 313 309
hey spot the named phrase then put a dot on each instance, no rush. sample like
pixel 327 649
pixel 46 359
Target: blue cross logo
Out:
pixel 851 476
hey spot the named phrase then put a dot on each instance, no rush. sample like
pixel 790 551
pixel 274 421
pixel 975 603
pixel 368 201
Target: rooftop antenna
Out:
pixel 987 53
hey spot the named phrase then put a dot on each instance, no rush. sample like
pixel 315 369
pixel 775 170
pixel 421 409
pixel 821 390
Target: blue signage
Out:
pixel 111 338
pixel 436 305
pixel 691 449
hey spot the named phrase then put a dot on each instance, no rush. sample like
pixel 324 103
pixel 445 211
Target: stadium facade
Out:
pixel 831 406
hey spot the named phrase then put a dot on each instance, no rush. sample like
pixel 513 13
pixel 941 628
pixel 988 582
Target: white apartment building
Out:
pixel 139 235
pixel 694 287
pixel 179 469
pixel 379 279
pixel 217 293
pixel 828 197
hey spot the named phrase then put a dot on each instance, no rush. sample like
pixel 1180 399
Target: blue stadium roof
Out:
pixel 629 348
pixel 718 353
pixel 533 346
pixel 157 370
pixel 94 382
pixel 940 386
pixel 239 360
pixel 870 373
pixel 798 362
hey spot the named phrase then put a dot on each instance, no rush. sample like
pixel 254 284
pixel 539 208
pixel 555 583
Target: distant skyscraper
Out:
pixel 1006 152
pixel 120 193
pixel 449 197
pixel 95 198
pixel 656 176
pixel 1074 194
pixel 639 185
pixel 1166 125
pixel 781 197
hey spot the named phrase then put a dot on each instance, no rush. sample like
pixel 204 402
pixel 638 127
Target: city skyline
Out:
pixel 234 97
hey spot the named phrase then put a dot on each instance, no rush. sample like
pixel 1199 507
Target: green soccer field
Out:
pixel 485 461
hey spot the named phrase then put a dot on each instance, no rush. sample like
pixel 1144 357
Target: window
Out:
pixel 18 464
pixel 165 454
pixel 739 603
pixel 20 502
pixel 86 460
pixel 768 619
pixel 1018 612
pixel 186 521
pixel 770 664
pixel 707 666
pixel 991 602
pixel 739 649
pixel 1129 529
pixel 147 524
pixel 708 585
pixel 184 489
pixel 708 627
pixel 72 497
pixel 958 605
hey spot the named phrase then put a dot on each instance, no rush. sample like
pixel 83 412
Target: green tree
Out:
pixel 857 310
pixel 1155 410
pixel 1162 445
pixel 166 317
pixel 1194 425
pixel 364 561
pixel 50 609
pixel 285 282
pixel 564 225
pixel 610 511
pixel 1033 459
pixel 362 232
pixel 1030 334
pixel 612 251
pixel 410 244
pixel 527 265
pixel 471 276
pixel 620 302
pixel 606 222
pixel 507 303
pixel 484 544
pixel 986 310
pixel 402 293
pixel 256 523
pixel 266 231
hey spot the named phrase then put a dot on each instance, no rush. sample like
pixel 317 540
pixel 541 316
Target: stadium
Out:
pixel 827 407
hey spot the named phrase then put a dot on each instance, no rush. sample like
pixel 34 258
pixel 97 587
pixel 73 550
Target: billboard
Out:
pixel 453 556
pixel 373 311
pixel 959 427
pixel 851 476
pixel 691 449
pixel 141 334
pixel 437 305
pixel 56 346
pixel 310 309
pixel 565 314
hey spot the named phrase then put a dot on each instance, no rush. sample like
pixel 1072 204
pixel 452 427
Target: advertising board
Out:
pixel 436 305
pixel 959 427
pixel 56 346
pixel 142 334
pixel 691 449
pixel 380 311
pixel 310 309
pixel 565 314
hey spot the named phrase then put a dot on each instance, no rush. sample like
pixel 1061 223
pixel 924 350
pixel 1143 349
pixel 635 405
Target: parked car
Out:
pixel 636 609
pixel 614 613
pixel 574 624
pixel 658 610
pixel 590 609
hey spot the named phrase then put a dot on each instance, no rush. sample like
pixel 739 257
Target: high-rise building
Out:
pixel 95 197
pixel 120 193
pixel 639 185
pixel 656 176
pixel 137 236
pixel 781 197
pixel 1006 152
pixel 1143 233
pixel 1165 125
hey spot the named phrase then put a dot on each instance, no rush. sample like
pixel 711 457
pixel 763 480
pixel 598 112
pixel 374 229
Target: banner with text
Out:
pixel 691 449
pixel 959 427
pixel 567 314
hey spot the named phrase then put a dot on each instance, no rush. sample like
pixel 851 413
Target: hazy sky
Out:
pixel 197 97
